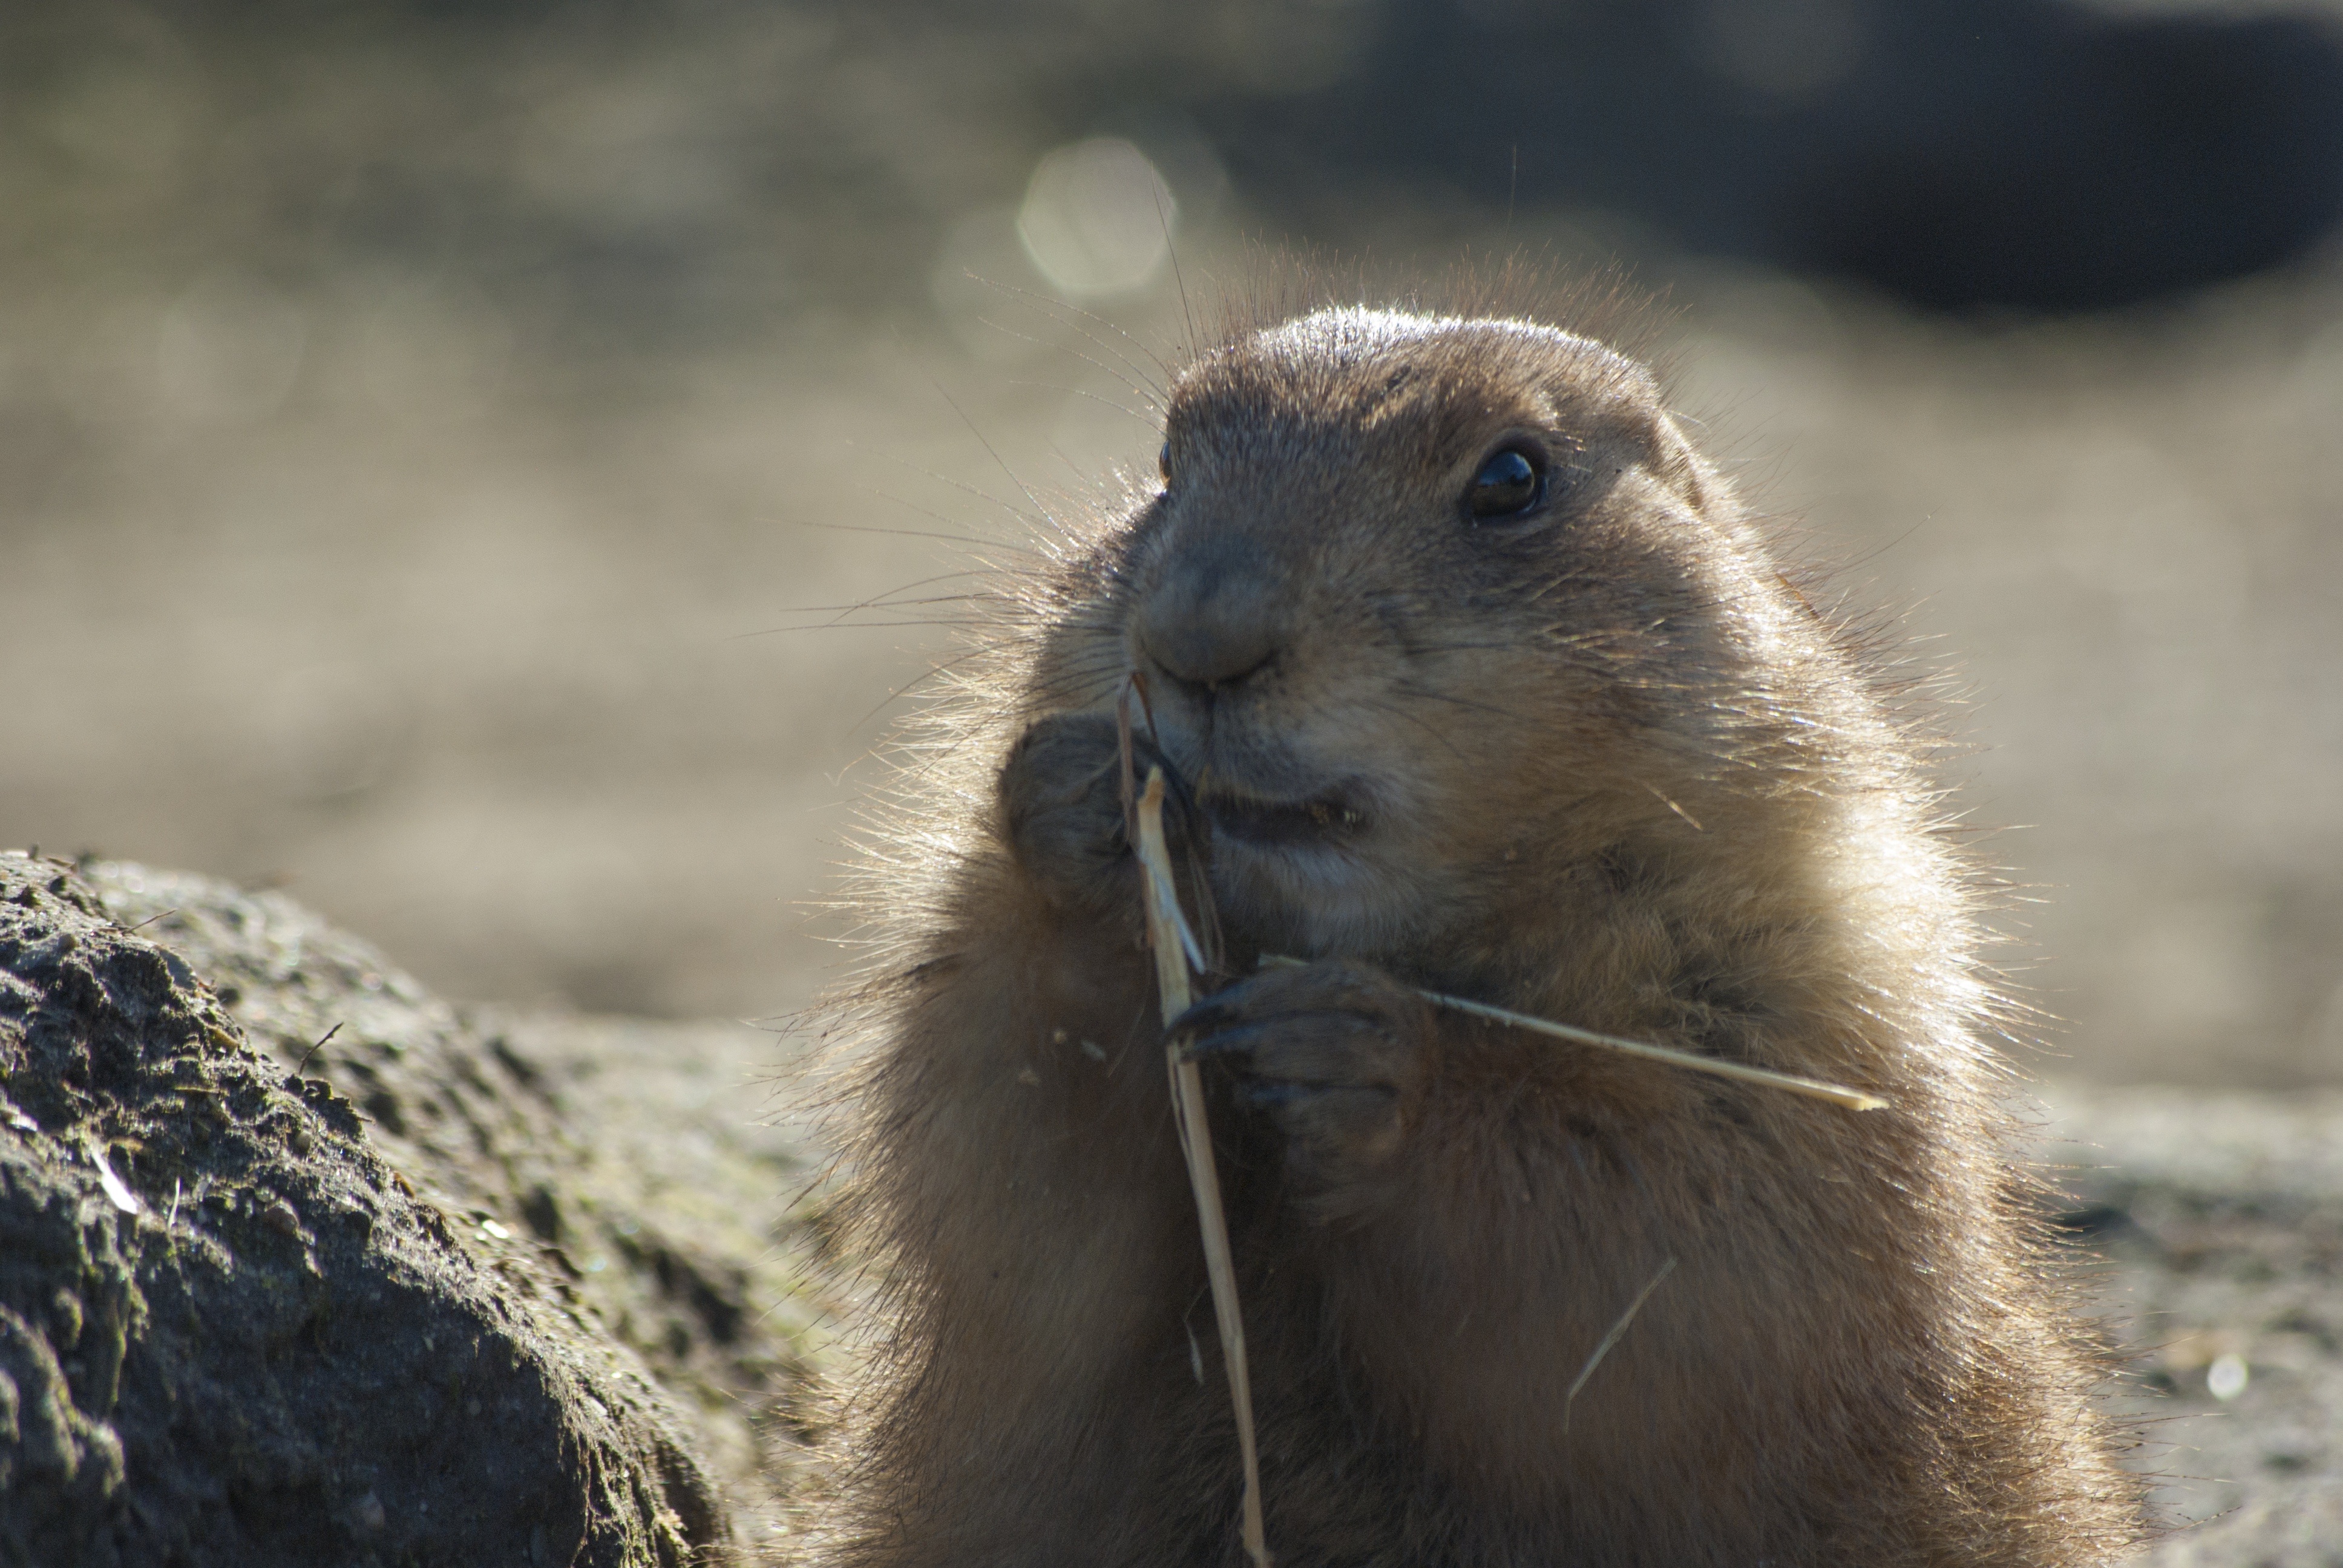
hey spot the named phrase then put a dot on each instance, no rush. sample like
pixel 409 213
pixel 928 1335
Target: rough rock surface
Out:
pixel 599 1234
pixel 240 1325
pixel 649 1170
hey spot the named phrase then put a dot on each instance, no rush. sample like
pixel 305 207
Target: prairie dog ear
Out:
pixel 1679 464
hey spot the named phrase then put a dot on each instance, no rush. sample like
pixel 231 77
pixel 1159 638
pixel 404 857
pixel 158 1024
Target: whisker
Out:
pixel 1148 421
pixel 1024 489
pixel 1140 389
pixel 889 600
pixel 972 539
pixel 1146 392
pixel 930 673
pixel 1047 306
pixel 1030 519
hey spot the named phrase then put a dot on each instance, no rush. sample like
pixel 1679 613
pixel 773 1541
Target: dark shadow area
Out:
pixel 2026 155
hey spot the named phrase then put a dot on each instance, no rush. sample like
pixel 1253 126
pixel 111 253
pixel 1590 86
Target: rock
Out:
pixel 647 1169
pixel 237 1328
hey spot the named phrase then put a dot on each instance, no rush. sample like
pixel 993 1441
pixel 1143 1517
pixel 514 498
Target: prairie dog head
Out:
pixel 1419 592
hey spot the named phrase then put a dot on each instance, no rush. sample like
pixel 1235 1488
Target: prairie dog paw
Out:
pixel 1335 1053
pixel 1061 811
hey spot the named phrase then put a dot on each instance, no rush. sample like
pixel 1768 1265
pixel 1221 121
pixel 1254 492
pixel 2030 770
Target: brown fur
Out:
pixel 1615 771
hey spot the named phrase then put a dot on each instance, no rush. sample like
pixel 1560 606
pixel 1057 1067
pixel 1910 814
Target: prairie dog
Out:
pixel 1478 677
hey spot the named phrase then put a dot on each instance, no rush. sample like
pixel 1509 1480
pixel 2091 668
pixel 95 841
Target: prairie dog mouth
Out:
pixel 1279 824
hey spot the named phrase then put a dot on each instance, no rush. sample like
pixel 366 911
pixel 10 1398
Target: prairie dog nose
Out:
pixel 1213 623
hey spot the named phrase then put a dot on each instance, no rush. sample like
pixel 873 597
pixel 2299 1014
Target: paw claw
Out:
pixel 1333 1053
pixel 1236 1040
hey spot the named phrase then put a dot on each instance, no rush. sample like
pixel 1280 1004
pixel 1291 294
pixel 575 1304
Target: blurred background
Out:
pixel 424 428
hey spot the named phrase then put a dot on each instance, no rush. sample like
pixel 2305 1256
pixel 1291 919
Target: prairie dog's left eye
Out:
pixel 1508 485
pixel 1163 462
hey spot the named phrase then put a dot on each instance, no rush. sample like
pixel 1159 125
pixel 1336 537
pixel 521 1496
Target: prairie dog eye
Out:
pixel 1509 482
pixel 1163 462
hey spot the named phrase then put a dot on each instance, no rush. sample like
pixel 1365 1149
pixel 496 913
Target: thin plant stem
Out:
pixel 1174 942
pixel 1814 1087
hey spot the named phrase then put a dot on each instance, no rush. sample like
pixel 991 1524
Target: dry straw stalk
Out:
pixel 1812 1087
pixel 1175 944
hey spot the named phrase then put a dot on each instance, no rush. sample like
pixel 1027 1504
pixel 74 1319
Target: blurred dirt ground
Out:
pixel 422 442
